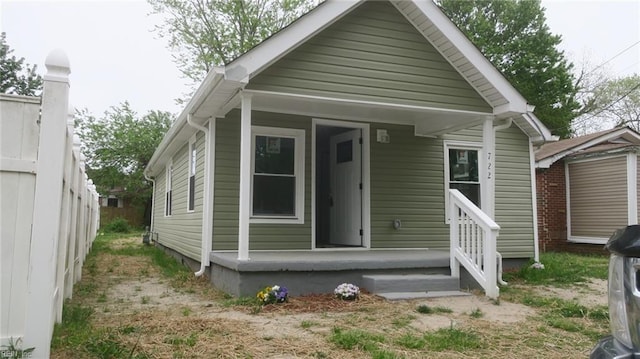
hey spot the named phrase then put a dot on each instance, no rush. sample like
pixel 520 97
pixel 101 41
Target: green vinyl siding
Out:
pixel 261 236
pixel 372 54
pixel 407 184
pixel 513 203
pixel 514 206
pixel 182 231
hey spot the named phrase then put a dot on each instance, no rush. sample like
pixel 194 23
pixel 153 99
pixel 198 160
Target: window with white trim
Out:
pixel 277 175
pixel 168 189
pixel 191 179
pixel 462 170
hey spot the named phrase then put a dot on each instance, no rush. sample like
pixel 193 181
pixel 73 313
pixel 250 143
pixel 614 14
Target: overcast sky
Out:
pixel 115 56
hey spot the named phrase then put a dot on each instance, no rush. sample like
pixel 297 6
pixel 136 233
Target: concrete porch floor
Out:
pixel 333 260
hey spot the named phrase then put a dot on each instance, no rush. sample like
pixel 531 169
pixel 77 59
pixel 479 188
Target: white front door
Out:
pixel 346 188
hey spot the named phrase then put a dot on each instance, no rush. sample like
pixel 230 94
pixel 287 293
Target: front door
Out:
pixel 345 187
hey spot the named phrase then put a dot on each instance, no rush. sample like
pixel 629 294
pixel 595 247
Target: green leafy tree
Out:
pixel 513 35
pixel 205 33
pixel 615 102
pixel 16 77
pixel 118 147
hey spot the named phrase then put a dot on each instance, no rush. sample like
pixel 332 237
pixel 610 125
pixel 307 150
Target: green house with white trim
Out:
pixel 368 142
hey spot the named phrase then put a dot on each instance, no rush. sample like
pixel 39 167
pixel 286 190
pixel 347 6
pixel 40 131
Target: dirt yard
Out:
pixel 141 313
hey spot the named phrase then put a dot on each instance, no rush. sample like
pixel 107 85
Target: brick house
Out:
pixel 587 187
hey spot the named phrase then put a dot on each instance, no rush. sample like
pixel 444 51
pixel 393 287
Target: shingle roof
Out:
pixel 553 148
pixel 595 142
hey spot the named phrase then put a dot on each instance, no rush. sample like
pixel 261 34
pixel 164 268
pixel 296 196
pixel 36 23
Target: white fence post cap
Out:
pixel 57 64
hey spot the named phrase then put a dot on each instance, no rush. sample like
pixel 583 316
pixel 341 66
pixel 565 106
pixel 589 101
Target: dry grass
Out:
pixel 187 318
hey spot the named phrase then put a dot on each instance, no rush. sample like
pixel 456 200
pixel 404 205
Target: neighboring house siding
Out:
pixel 372 54
pixel 513 206
pixel 407 184
pixel 182 231
pixel 598 196
pixel 261 236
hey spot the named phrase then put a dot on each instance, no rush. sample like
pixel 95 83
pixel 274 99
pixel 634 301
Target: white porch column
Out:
pixel 487 173
pixel 245 177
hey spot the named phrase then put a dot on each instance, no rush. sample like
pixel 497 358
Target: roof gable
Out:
pixel 218 93
pixel 372 54
pixel 602 141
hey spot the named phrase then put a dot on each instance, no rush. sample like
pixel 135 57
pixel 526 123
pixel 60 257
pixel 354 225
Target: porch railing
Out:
pixel 473 242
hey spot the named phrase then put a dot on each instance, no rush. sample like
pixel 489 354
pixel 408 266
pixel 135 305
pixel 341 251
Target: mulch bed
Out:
pixel 318 303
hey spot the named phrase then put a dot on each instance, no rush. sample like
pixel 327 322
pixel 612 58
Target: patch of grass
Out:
pixel 566 308
pixel 425 309
pixel 240 301
pixel 453 339
pixel 74 328
pixel 599 313
pixel 306 324
pixel 570 309
pixel 402 321
pixel 476 313
pixel 117 225
pixel 383 354
pixel 565 324
pixel 410 341
pixel 106 344
pixel 355 339
pixel 186 311
pixel 102 298
pixel 562 269
pixel 84 289
pixel 189 340
pixel 128 329
pixel 145 299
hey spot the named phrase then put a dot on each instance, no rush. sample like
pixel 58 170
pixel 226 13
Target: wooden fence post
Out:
pixel 45 233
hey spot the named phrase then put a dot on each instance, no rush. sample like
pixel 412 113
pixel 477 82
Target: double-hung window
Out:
pixel 168 189
pixel 462 170
pixel 277 175
pixel 191 184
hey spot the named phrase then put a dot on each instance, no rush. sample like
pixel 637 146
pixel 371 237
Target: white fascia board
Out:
pixel 545 163
pixel 214 78
pixel 458 39
pixel 284 41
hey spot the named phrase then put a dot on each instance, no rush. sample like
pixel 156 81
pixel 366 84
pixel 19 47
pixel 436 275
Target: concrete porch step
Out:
pixel 410 283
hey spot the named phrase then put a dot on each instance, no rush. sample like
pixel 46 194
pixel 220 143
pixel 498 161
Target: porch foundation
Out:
pixel 307 272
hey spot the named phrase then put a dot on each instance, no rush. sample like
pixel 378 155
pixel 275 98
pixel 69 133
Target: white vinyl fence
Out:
pixel 49 212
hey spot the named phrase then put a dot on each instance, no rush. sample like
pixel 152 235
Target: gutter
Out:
pixel 205 242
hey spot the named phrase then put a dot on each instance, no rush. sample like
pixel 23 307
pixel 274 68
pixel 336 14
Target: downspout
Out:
pixel 504 126
pixel 536 246
pixel 205 243
pixel 153 202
